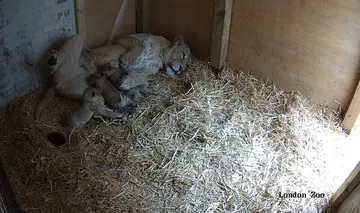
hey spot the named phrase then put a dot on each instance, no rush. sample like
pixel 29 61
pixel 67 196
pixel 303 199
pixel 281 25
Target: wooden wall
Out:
pixel 192 18
pixel 100 19
pixel 311 46
pixel 351 203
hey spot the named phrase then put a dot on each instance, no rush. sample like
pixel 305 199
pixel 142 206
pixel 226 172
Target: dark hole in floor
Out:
pixel 56 138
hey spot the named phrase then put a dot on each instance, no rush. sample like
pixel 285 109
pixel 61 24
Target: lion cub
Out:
pixel 92 104
pixel 112 96
pixel 112 74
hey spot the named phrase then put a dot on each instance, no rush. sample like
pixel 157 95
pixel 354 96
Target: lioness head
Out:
pixel 177 57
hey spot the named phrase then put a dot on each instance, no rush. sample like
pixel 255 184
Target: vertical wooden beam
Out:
pixel 142 16
pixel 146 16
pixel 139 16
pixel 346 188
pixel 80 19
pixel 351 203
pixel 355 131
pixel 221 31
pixel 353 111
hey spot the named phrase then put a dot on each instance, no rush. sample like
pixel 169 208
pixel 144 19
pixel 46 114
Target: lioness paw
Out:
pixel 52 58
pixel 126 85
pixel 122 117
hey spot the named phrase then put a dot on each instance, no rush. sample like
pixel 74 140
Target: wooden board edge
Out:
pixel 221 32
pixel 80 19
pixel 346 188
pixel 146 16
pixel 353 111
pixel 139 14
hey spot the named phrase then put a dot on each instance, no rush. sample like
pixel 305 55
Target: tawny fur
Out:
pixel 108 54
pixel 92 104
pixel 113 74
pixel 112 96
pixel 69 78
pixel 142 55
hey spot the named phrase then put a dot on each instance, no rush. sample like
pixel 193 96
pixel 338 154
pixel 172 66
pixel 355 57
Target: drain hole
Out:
pixel 56 138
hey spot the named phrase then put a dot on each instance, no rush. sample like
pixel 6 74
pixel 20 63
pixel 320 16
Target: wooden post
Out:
pixel 146 16
pixel 346 188
pixel 353 111
pixel 80 19
pixel 142 16
pixel 139 16
pixel 221 31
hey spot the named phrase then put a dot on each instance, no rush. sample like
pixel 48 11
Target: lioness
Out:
pixel 140 55
pixel 68 75
pixel 146 54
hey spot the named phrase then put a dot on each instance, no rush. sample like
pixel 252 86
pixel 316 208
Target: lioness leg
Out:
pixel 129 42
pixel 69 53
pixel 63 63
pixel 135 47
pixel 49 95
pixel 135 78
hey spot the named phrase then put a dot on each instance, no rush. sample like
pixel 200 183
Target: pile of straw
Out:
pixel 200 143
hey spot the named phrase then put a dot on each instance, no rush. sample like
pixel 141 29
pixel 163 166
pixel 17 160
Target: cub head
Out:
pixel 97 81
pixel 177 57
pixel 92 94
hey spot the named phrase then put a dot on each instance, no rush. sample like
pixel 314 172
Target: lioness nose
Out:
pixel 178 73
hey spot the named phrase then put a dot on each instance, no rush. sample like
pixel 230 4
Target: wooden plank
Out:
pixel 221 31
pixel 139 16
pixel 285 42
pixel 118 20
pixel 355 131
pixel 80 19
pixel 353 111
pixel 191 18
pixel 146 16
pixel 346 188
pixel 100 19
pixel 351 203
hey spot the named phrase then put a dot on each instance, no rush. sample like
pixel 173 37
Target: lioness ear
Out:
pixel 179 39
pixel 191 58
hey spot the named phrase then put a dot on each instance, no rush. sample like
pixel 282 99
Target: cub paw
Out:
pixel 121 117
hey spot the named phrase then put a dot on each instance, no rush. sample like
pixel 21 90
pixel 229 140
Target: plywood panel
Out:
pixel 351 203
pixel 347 187
pixel 353 112
pixel 307 45
pixel 192 18
pixel 100 17
pixel 220 32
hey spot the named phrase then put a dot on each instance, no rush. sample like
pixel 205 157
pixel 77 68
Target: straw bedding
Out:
pixel 200 143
